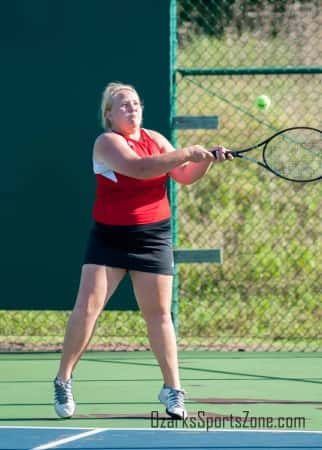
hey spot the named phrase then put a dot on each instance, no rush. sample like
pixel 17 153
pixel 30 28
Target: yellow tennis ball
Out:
pixel 263 102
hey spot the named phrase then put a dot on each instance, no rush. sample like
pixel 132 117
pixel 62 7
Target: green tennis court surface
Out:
pixel 119 390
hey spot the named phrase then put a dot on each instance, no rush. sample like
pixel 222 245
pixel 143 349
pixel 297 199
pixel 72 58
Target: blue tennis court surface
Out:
pixel 30 438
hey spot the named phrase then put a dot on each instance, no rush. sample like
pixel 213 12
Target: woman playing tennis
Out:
pixel 131 233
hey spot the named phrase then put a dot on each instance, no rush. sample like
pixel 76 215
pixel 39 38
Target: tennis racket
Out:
pixel 294 154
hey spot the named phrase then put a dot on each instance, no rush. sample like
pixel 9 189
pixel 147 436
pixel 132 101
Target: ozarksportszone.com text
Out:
pixel 246 421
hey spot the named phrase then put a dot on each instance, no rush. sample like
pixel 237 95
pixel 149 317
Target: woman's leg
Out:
pixel 154 293
pixel 97 285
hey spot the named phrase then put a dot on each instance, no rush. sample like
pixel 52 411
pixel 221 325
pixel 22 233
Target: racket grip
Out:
pixel 214 152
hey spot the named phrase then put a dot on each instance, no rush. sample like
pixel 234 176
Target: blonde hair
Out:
pixel 107 100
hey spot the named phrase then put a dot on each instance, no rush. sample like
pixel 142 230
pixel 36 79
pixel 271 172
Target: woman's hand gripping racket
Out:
pixel 294 154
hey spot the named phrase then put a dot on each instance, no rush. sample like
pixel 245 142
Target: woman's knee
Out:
pixel 160 318
pixel 89 304
pixel 92 291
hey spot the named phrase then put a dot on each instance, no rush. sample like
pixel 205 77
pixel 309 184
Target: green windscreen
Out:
pixel 56 59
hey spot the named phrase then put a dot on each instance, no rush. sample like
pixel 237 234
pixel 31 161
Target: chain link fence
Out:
pixel 26 331
pixel 267 293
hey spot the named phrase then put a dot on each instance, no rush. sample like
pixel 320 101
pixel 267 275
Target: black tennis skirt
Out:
pixel 146 248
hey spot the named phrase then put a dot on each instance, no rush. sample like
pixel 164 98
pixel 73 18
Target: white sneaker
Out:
pixel 64 401
pixel 163 396
pixel 173 399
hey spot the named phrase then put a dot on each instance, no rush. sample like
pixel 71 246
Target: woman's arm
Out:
pixel 191 171
pixel 112 150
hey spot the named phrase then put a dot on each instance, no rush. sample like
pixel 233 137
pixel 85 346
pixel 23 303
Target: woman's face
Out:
pixel 126 112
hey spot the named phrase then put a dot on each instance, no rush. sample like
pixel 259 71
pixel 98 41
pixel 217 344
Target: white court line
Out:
pixel 27 427
pixel 218 430
pixel 261 430
pixel 53 444
pixel 215 430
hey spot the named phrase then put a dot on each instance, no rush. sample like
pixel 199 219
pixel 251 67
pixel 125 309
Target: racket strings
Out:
pixel 296 155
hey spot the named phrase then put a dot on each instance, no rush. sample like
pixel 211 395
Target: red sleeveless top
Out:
pixel 130 201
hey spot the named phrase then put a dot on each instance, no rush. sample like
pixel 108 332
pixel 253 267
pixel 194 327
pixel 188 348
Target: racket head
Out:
pixel 295 154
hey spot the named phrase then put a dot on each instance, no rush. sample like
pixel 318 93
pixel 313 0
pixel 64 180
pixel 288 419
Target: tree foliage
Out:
pixel 213 17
